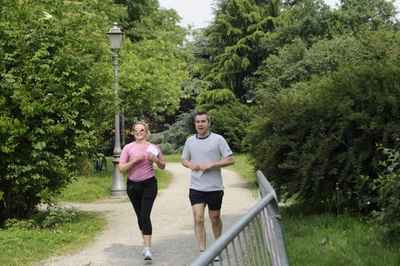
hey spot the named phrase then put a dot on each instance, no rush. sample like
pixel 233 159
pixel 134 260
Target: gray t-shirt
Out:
pixel 206 150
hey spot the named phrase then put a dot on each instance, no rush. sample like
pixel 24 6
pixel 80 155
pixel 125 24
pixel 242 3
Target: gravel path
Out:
pixel 173 243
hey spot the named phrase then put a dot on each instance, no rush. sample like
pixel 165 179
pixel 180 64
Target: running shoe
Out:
pixel 147 254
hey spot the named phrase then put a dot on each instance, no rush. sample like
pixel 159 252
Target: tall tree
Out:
pixel 55 91
pixel 232 51
pixel 360 15
pixel 295 64
pixel 153 66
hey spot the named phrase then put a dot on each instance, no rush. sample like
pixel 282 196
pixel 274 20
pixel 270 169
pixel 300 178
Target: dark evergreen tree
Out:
pixel 231 50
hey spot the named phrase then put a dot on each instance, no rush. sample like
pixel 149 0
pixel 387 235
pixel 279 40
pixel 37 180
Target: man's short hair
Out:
pixel 203 113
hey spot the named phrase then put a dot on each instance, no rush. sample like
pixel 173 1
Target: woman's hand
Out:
pixel 152 157
pixel 140 157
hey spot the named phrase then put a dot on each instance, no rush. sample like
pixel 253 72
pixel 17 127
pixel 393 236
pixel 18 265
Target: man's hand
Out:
pixel 206 166
pixel 194 166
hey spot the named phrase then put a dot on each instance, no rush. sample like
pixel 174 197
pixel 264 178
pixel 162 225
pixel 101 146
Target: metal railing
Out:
pixel 257 238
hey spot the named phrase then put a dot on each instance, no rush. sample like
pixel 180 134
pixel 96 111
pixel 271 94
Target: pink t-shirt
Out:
pixel 143 169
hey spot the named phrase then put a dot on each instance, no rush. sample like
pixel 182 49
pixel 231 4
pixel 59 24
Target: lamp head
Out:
pixel 115 37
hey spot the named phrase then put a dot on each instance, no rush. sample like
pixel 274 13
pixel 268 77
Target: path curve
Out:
pixel 173 243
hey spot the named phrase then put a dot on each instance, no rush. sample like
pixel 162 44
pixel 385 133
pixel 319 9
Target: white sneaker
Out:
pixel 217 258
pixel 147 254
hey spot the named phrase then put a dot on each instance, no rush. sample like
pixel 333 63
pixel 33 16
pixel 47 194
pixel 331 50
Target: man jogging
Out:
pixel 205 153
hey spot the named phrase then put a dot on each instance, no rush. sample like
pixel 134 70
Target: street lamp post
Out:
pixel 118 188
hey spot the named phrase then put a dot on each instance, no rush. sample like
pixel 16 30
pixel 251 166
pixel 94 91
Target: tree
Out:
pixel 56 86
pixel 232 51
pixel 356 16
pixel 295 64
pixel 153 66
pixel 152 76
pixel 309 20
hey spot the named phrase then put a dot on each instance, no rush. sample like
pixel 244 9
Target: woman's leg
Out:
pixel 148 197
pixel 135 197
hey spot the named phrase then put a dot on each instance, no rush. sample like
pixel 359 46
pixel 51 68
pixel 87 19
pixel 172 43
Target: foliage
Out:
pixel 151 79
pixel 54 98
pixel 294 63
pixel 355 16
pixel 245 170
pixel 52 219
pixel 312 141
pixel 153 62
pixel 387 186
pixel 20 224
pixel 231 121
pixel 57 91
pixel 172 140
pixel 231 48
pixel 309 20
pixel 58 217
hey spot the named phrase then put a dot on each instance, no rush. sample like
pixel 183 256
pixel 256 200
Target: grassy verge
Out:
pixel 28 246
pixel 242 167
pixel 331 240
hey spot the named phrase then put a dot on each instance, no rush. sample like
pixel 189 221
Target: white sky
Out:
pixel 199 12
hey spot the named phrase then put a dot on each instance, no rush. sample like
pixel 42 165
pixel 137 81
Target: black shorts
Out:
pixel 211 198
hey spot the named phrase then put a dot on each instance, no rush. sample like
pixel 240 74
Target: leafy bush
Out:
pixel 231 120
pixel 20 224
pixel 388 187
pixel 315 143
pixel 58 217
pixel 50 219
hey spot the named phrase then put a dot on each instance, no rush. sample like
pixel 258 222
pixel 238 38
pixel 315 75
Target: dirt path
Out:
pixel 173 243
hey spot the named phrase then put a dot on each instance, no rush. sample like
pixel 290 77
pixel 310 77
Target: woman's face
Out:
pixel 139 131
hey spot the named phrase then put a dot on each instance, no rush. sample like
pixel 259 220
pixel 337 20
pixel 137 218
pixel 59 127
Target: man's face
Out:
pixel 202 124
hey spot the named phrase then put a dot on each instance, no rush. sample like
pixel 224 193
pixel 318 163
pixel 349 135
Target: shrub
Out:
pixel 58 217
pixel 316 143
pixel 388 187
pixel 20 224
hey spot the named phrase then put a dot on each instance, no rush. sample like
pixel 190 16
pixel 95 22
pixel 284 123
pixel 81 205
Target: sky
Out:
pixel 199 12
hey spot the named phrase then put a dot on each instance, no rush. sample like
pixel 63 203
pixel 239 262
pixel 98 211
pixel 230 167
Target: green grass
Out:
pixel 172 158
pixel 330 240
pixel 19 246
pixel 242 167
pixel 349 240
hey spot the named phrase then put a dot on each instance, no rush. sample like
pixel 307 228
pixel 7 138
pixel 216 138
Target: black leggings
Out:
pixel 142 195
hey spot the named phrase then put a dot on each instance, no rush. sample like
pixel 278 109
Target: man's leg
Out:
pixel 199 229
pixel 216 222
